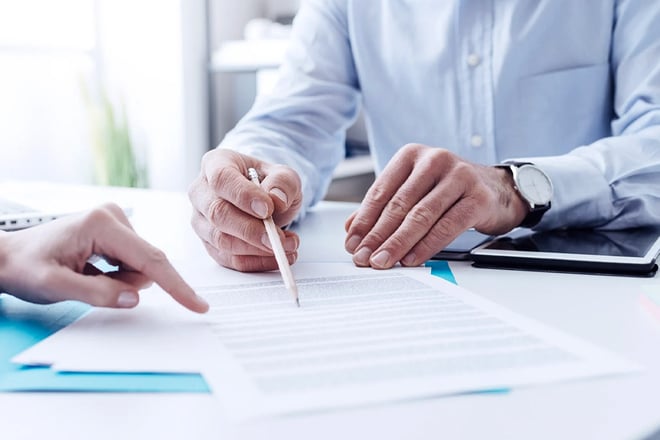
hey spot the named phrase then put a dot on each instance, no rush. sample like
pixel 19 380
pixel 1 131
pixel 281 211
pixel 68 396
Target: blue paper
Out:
pixel 441 269
pixel 23 325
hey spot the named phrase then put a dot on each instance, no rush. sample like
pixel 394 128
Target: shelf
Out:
pixel 248 55
pixel 354 166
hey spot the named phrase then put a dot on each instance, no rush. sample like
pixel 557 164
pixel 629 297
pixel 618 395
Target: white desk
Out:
pixel 603 310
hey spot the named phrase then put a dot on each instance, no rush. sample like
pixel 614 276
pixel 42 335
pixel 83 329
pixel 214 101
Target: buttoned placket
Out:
pixel 474 68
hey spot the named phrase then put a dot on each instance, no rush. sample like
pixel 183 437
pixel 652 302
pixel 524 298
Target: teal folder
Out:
pixel 441 269
pixel 23 325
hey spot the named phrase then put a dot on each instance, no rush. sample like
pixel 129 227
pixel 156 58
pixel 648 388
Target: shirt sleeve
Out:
pixel 615 182
pixel 302 123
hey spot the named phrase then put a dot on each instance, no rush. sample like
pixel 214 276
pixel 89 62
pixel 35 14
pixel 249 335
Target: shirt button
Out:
pixel 473 60
pixel 476 141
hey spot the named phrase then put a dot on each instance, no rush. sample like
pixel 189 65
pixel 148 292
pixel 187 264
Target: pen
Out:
pixel 276 244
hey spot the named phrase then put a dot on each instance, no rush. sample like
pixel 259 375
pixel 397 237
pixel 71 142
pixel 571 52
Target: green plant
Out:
pixel 115 162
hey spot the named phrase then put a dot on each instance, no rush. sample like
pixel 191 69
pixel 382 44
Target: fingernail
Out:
pixel 202 302
pixel 361 257
pixel 409 259
pixel 353 242
pixel 265 240
pixel 280 195
pixel 381 259
pixel 259 208
pixel 290 244
pixel 127 300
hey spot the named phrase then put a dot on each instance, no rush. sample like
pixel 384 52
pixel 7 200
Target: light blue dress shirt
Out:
pixel 571 85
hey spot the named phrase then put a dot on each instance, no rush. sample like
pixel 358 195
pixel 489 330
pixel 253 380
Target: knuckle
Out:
pixel 442 231
pixel 377 197
pixel 115 210
pixel 398 243
pixel 218 211
pixel 228 244
pixel 412 149
pixel 439 160
pixel 249 263
pixel 110 208
pixel 96 217
pixel 157 256
pixel 465 172
pixel 223 223
pixel 236 263
pixel 443 156
pixel 292 257
pixel 374 239
pixel 218 238
pixel 209 157
pixel 251 231
pixel 219 177
pixel 359 225
pixel 397 207
pixel 154 258
pixel 423 216
pixel 438 163
pixel 287 175
pixel 205 157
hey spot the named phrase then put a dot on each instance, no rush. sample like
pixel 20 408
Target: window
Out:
pixel 47 51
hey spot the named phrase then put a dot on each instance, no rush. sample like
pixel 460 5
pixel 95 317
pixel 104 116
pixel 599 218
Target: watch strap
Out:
pixel 534 216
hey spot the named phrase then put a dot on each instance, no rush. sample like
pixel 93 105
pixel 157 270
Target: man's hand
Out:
pixel 228 209
pixel 424 198
pixel 49 263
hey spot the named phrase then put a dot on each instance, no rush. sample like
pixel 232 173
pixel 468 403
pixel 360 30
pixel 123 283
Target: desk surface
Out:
pixel 603 310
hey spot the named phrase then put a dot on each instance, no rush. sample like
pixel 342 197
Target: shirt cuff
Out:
pixel 581 195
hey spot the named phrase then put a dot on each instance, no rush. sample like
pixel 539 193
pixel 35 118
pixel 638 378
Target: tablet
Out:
pixel 622 252
pixel 460 248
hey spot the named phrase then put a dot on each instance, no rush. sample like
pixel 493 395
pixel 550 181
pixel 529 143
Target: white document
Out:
pixel 158 336
pixel 365 336
pixel 361 336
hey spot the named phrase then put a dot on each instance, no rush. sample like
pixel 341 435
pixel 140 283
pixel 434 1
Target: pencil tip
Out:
pixel 298 302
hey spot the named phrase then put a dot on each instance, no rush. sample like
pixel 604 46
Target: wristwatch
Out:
pixel 535 188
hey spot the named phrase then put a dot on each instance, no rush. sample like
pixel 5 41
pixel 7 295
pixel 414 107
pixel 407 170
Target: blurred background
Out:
pixel 132 93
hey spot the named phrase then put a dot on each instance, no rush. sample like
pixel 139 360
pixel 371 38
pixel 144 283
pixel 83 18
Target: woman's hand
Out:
pixel 49 263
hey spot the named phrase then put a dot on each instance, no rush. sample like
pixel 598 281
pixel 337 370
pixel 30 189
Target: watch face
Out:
pixel 534 185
